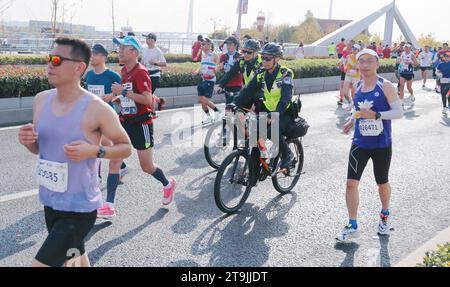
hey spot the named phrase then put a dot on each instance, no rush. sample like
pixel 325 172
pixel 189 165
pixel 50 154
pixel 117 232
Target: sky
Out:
pixel 172 15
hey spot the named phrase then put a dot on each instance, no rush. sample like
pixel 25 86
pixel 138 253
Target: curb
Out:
pixel 416 257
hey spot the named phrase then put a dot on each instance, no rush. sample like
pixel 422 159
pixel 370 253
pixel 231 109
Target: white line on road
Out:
pixel 10 128
pixel 14 196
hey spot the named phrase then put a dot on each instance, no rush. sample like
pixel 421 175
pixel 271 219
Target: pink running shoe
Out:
pixel 106 212
pixel 169 192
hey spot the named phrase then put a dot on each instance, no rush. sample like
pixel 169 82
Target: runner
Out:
pixel 340 48
pixel 444 74
pixel 387 52
pixel 99 82
pixel 407 62
pixel 332 50
pixel 426 62
pixel 136 111
pixel 66 134
pixel 227 62
pixel 377 105
pixel 197 49
pixel 341 64
pixel 397 52
pixel 207 72
pixel 352 75
pixel 153 59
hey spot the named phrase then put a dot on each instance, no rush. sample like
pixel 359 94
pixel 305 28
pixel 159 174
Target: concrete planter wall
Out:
pixel 18 110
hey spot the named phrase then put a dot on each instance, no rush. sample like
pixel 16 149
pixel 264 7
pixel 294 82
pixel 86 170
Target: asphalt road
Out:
pixel 295 230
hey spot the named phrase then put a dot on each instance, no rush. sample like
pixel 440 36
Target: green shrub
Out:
pixel 29 80
pixel 41 59
pixel 439 258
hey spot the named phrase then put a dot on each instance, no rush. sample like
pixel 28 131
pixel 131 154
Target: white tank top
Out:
pixel 406 63
pixel 208 67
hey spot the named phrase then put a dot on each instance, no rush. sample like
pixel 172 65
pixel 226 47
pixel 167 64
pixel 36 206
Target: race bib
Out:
pixel 352 72
pixel 98 90
pixel 128 106
pixel 371 128
pixel 52 175
pixel 445 81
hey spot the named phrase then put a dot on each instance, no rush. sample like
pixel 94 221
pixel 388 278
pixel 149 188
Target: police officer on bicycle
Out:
pixel 248 64
pixel 271 90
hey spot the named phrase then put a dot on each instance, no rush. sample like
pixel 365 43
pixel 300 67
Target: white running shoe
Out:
pixel 348 233
pixel 384 228
pixel 207 120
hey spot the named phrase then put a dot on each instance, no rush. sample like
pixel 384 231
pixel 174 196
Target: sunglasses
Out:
pixel 247 52
pixel 57 61
pixel 267 59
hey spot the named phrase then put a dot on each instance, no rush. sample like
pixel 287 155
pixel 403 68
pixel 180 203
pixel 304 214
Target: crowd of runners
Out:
pixel 70 137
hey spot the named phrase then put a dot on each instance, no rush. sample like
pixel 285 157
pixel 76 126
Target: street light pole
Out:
pixel 238 31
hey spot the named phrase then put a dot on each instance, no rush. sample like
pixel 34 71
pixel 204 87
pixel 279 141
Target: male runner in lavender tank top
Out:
pixel 66 134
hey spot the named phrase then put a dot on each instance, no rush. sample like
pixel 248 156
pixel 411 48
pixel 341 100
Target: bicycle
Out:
pixel 220 140
pixel 245 167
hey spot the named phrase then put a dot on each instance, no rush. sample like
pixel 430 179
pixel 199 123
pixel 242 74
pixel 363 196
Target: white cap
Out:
pixel 408 45
pixel 368 52
pixel 357 46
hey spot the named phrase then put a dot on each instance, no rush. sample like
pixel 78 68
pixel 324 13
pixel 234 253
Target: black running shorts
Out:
pixel 67 233
pixel 359 158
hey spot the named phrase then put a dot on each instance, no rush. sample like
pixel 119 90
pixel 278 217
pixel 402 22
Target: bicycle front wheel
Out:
pixel 232 186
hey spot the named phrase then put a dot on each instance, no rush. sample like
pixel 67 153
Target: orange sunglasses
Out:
pixel 58 60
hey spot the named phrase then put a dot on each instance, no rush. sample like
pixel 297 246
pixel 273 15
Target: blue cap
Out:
pixel 129 41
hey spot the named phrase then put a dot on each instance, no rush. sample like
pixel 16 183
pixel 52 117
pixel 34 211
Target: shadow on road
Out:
pixel 350 250
pixel 445 121
pixel 343 117
pixel 385 258
pixel 99 252
pixel 194 160
pixel 16 235
pixel 199 207
pixel 242 241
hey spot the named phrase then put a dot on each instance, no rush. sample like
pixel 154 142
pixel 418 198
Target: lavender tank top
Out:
pixel 83 194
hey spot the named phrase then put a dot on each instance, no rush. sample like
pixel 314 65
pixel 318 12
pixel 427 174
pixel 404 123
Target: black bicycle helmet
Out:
pixel 272 49
pixel 252 45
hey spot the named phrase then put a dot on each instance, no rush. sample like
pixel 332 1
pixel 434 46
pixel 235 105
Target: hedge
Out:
pixel 41 59
pixel 27 81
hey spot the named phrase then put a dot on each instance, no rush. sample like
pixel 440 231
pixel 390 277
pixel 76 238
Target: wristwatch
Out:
pixel 101 152
pixel 377 116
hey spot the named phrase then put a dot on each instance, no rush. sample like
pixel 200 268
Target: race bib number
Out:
pixel 128 106
pixel 445 81
pixel 371 128
pixel 98 90
pixel 352 72
pixel 52 175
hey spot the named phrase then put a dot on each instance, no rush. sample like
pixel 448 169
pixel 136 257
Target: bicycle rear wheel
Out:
pixel 219 143
pixel 286 182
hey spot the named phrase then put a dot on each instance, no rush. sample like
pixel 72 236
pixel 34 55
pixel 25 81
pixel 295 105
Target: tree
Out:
pixel 429 40
pixel 363 38
pixel 308 31
pixel 220 34
pixel 376 38
pixel 285 33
